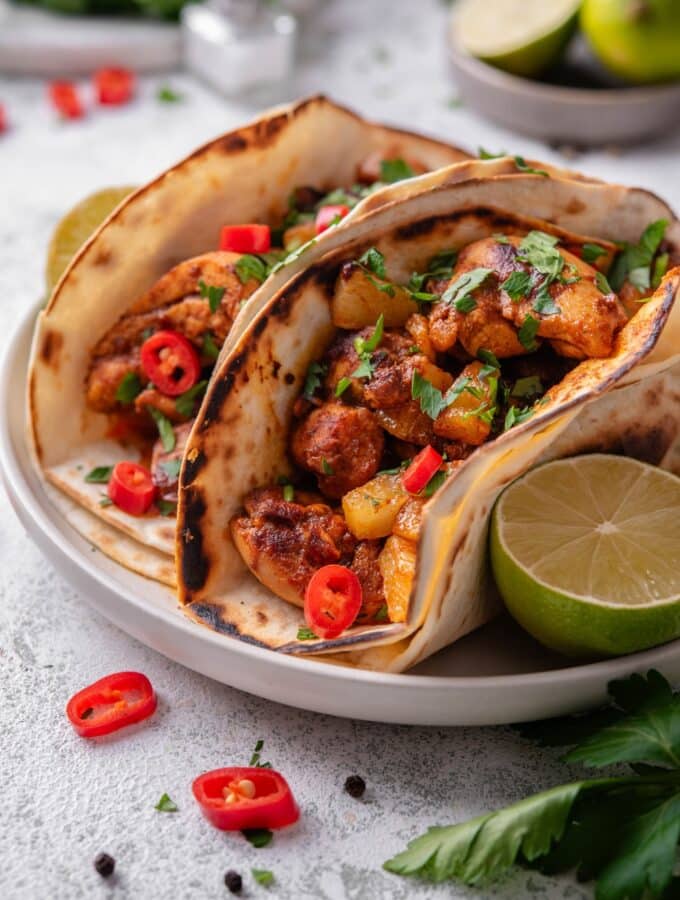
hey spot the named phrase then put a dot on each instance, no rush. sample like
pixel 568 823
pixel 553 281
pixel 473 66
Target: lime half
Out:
pixel 520 36
pixel 586 554
pixel 77 226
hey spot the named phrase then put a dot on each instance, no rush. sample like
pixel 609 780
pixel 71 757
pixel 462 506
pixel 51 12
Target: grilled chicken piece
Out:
pixel 365 566
pixel 284 542
pixel 342 445
pixel 174 303
pixel 585 325
pixel 165 466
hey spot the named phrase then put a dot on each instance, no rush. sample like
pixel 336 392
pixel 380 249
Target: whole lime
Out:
pixel 638 40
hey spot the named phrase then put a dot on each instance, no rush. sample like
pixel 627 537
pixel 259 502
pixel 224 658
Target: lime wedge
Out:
pixel 520 36
pixel 586 554
pixel 76 227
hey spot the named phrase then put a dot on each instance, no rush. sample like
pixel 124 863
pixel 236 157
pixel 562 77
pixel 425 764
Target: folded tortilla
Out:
pixel 246 175
pixel 240 438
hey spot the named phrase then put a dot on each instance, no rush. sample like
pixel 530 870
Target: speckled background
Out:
pixel 64 799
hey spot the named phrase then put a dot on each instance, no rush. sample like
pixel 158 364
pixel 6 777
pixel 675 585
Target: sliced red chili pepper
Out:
pixel 332 600
pixel 243 797
pixel 131 488
pixel 114 86
pixel 64 97
pixel 246 238
pixel 328 214
pixel 423 467
pixel 111 703
pixel 3 119
pixel 171 362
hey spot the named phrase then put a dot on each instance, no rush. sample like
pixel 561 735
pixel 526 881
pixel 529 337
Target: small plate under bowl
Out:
pixel 555 113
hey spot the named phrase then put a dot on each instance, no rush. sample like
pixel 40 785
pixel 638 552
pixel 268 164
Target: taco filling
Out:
pixel 418 376
pixel 149 372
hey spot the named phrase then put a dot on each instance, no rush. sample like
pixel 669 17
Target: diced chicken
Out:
pixel 365 566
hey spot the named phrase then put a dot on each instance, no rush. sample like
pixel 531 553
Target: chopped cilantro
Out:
pixel 529 386
pixel 212 294
pixel 602 284
pixel 365 347
pixel 527 333
pixel 544 303
pixel 592 252
pixel 517 285
pixel 342 386
pixel 383 614
pixel 374 261
pixel 165 429
pixel 165 804
pixel 539 249
pixel 485 154
pixel 166 507
pixel 364 369
pixel 263 876
pixel 326 467
pixel 464 285
pixel 166 94
pixel 105 501
pixel 392 170
pixel 251 267
pixel 315 373
pixel 434 483
pixel 209 348
pixel 522 166
pixel 255 758
pixel 515 416
pixel 431 399
pixel 306 634
pixel 634 262
pixel 258 837
pixel 659 269
pixel 128 388
pixel 486 356
pixel 465 304
pixel 172 467
pixel 99 475
pixel 186 402
pixel 288 493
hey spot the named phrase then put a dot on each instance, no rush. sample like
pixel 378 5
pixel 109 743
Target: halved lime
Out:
pixel 520 36
pixel 76 227
pixel 586 554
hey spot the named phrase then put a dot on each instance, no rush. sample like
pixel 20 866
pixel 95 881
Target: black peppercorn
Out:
pixel 233 881
pixel 104 864
pixel 355 786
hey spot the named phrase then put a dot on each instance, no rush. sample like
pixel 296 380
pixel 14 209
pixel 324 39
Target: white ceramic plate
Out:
pixel 494 676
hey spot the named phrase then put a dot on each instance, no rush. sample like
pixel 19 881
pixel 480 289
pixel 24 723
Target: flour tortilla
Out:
pixel 245 175
pixel 240 438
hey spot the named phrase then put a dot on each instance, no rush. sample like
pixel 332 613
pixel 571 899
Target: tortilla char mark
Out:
pixel 195 563
pixel 51 347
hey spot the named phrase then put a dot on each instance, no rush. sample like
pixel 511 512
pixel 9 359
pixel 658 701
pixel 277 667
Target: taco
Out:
pixel 124 350
pixel 360 428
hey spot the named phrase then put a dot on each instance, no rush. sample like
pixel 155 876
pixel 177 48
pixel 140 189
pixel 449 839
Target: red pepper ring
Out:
pixel 111 703
pixel 332 600
pixel 131 488
pixel 421 470
pixel 242 797
pixel 171 362
pixel 114 86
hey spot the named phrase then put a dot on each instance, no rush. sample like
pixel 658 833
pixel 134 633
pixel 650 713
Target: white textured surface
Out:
pixel 65 799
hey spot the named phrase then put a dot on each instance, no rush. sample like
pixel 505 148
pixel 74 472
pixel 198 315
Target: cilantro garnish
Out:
pixel 166 94
pixel 434 483
pixel 527 333
pixel 315 373
pixel 263 876
pixel 165 804
pixel 209 348
pixel 383 614
pixel 602 284
pixel 432 400
pixel 99 475
pixel 365 347
pixel 342 386
pixel 659 269
pixel 539 249
pixel 128 388
pixel 634 262
pixel 489 358
pixel 529 386
pixel 258 837
pixel 485 154
pixel 621 831
pixel 212 294
pixel 255 758
pixel 373 261
pixel 306 634
pixel 440 267
pixel 392 170
pixel 186 402
pixel 501 238
pixel 522 166
pixel 592 252
pixel 105 501
pixel 250 267
pixel 171 468
pixel 517 285
pixel 463 286
pixel 543 302
pixel 288 493
pixel 326 467
pixel 166 507
pixel 515 416
pixel 165 429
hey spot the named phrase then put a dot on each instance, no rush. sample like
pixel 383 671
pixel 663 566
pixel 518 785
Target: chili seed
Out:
pixel 233 881
pixel 104 864
pixel 355 786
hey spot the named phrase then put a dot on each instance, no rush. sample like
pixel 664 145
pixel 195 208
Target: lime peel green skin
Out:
pixel 532 59
pixel 572 626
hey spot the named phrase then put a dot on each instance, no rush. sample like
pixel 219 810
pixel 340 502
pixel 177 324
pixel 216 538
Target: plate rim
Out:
pixel 601 670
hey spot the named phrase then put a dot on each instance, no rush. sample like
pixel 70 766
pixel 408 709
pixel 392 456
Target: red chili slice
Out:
pixel 423 467
pixel 328 214
pixel 246 238
pixel 114 86
pixel 332 600
pixel 111 703
pixel 238 798
pixel 131 488
pixel 3 119
pixel 171 362
pixel 64 97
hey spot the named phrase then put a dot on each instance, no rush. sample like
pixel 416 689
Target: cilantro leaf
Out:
pixel 288 493
pixel 635 260
pixel 128 388
pixel 306 634
pixel 369 345
pixel 364 369
pixel 258 837
pixel 465 304
pixel 165 804
pixel 659 269
pixel 515 416
pixel 464 285
pixel 392 170
pixel 529 386
pixel 431 399
pixel 540 250
pixel 374 261
pixel 602 283
pixel 209 348
pixel 186 402
pixel 166 507
pixel 315 373
pixel 383 613
pixel 165 429
pixel 527 333
pixel 251 267
pixel 544 304
pixel 488 358
pixel 342 386
pixel 592 252
pixel 523 166
pixel 99 475
pixel 434 483
pixel 485 154
pixel 517 285
pixel 263 876
pixel 326 467
pixel 212 294
pixel 172 467
pixel 166 94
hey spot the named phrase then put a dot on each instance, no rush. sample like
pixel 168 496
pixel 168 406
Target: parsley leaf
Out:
pixel 251 267
pixel 165 804
pixel 392 170
pixel 465 304
pixel 516 416
pixel 212 294
pixel 365 347
pixel 166 94
pixel 523 166
pixel 635 260
pixel 315 373
pixel 326 467
pixel 306 634
pixel 432 401
pixel 374 261
pixel 489 358
pixel 592 252
pixel 342 386
pixel 288 493
pixel 602 284
pixel 209 349
pixel 383 614
pixel 258 837
pixel 463 286
pixel 659 269
pixel 544 303
pixel 539 249
pixel 263 876
pixel 165 429
pixel 517 285
pixel 128 388
pixel 99 475
pixel 186 402
pixel 527 333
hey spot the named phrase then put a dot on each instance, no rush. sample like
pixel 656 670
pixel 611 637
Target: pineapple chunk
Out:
pixel 397 564
pixel 468 418
pixel 370 510
pixel 409 519
pixel 358 300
